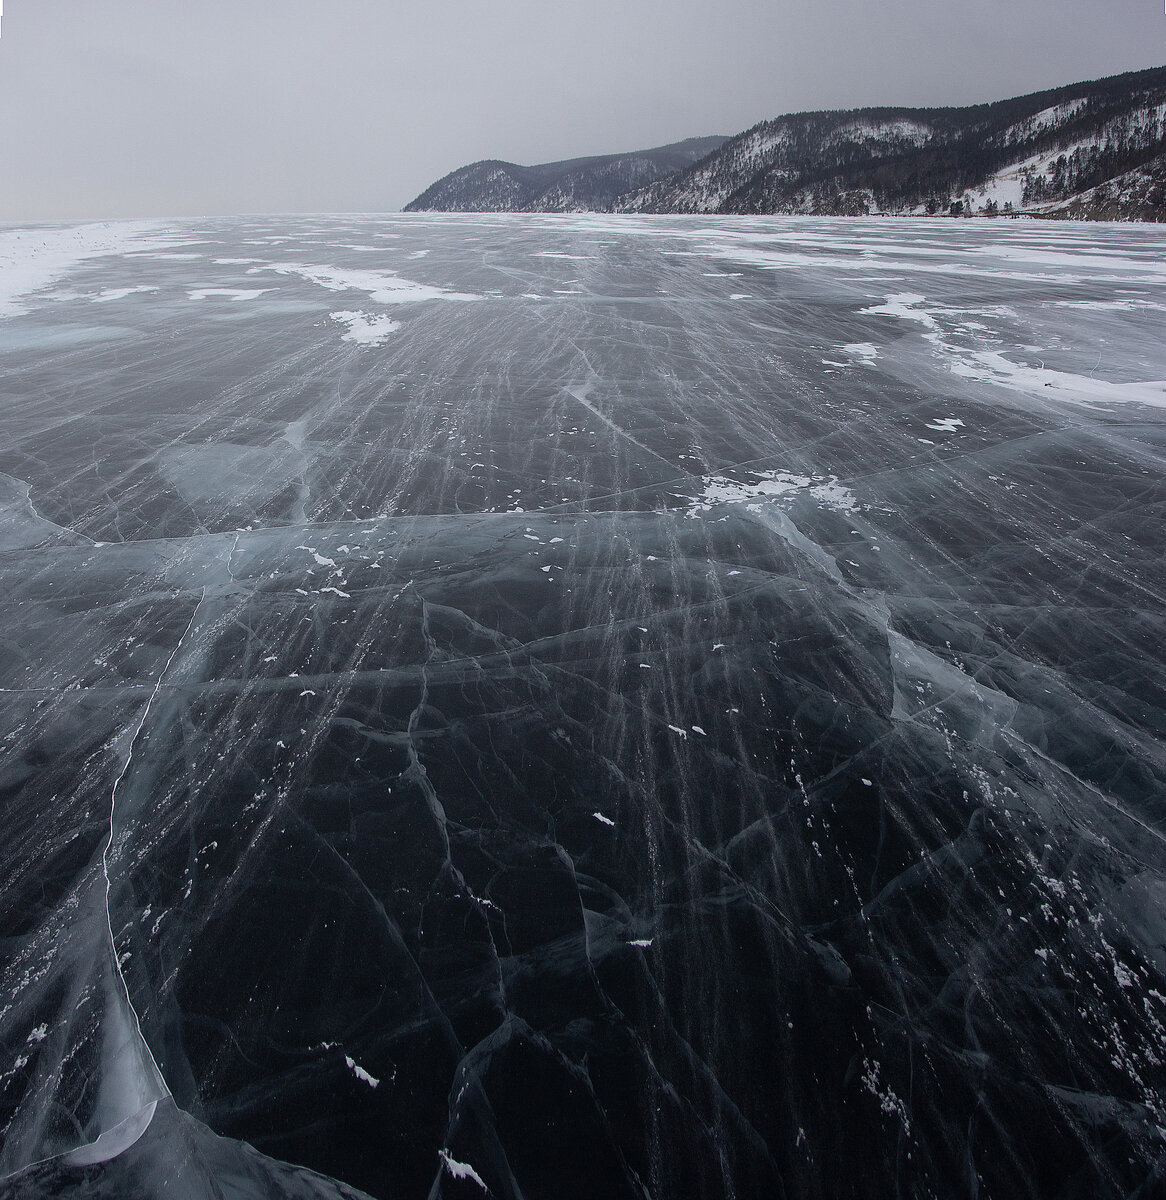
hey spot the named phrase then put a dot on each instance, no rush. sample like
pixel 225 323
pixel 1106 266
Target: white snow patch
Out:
pixel 380 286
pixel 865 352
pixel 228 293
pixel 945 424
pixel 366 329
pixel 107 294
pixel 905 306
pixel 32 259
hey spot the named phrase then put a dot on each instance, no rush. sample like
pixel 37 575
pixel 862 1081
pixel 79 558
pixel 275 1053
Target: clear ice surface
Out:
pixel 579 707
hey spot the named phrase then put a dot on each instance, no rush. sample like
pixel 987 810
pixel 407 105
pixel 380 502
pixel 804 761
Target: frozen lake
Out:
pixel 577 707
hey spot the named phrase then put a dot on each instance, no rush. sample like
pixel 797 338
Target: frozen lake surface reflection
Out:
pixel 576 707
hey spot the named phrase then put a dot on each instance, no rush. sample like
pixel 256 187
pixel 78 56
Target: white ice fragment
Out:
pixel 605 820
pixel 698 729
pixel 361 1073
pixel 867 783
pixel 683 733
pixel 945 424
pixel 461 1170
pixel 307 692
pixel 643 943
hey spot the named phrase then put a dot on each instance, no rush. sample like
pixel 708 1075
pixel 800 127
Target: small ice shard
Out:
pixel 698 729
pixel 643 943
pixel 945 424
pixel 677 730
pixel 361 1073
pixel 461 1170
pixel 604 820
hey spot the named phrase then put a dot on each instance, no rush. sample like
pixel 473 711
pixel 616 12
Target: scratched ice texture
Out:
pixel 582 708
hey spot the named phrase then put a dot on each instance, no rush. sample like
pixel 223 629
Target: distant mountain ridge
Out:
pixel 574 185
pixel 1090 150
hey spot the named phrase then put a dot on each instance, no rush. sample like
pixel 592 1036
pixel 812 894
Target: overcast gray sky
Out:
pixel 198 107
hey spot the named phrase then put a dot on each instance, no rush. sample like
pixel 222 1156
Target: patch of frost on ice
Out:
pixel 772 485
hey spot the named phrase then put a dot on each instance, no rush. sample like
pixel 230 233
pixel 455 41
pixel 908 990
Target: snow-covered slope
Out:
pixel 1093 149
pixel 1037 153
pixel 575 185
